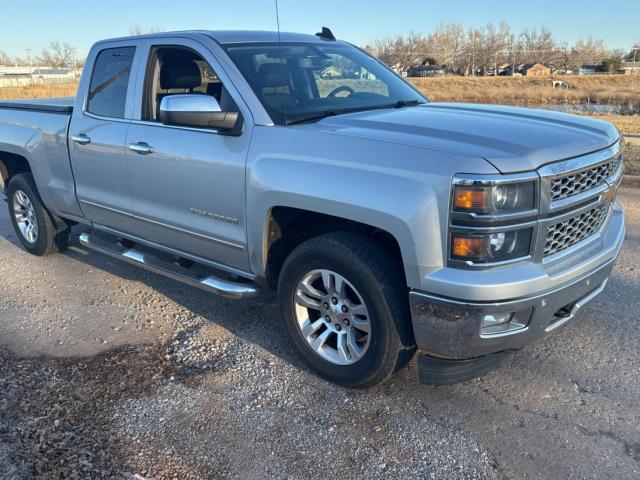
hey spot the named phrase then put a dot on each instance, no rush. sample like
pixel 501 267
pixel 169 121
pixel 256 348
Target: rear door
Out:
pixel 188 184
pixel 97 136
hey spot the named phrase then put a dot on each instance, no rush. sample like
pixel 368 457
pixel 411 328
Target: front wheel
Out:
pixel 345 308
pixel 31 221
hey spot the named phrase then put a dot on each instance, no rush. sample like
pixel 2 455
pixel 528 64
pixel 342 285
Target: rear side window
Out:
pixel 108 89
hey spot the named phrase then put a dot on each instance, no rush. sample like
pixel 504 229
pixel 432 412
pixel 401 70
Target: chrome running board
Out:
pixel 210 283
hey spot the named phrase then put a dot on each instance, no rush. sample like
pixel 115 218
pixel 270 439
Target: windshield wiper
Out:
pixel 331 113
pixel 314 116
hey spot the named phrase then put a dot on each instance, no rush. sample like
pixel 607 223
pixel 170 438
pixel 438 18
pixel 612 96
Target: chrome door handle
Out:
pixel 82 139
pixel 141 148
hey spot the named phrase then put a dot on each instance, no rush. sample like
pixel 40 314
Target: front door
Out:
pixel 97 136
pixel 188 184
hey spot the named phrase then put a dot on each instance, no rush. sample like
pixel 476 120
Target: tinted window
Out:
pixel 108 89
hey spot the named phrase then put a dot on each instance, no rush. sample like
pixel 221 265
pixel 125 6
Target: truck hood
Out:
pixel 511 139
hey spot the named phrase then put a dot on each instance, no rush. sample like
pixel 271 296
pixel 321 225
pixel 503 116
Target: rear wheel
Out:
pixel 31 221
pixel 344 304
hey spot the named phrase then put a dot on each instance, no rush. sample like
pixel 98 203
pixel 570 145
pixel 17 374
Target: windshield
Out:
pixel 299 81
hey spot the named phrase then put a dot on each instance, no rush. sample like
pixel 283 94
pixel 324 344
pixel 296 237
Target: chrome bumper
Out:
pixel 449 326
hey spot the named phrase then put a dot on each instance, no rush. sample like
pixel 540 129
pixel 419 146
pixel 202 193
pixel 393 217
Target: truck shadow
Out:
pixel 255 320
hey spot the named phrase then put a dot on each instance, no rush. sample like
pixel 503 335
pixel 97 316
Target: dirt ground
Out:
pixel 108 371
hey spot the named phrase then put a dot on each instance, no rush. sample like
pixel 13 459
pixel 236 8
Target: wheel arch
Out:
pixel 12 164
pixel 286 227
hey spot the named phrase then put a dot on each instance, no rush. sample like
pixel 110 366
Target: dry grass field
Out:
pixel 530 91
pixel 600 89
pixel 38 91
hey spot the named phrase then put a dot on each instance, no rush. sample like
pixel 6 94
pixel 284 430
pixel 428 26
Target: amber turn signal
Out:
pixel 469 247
pixel 468 198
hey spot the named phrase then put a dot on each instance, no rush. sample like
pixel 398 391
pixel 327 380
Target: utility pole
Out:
pixel 473 54
pixel 29 59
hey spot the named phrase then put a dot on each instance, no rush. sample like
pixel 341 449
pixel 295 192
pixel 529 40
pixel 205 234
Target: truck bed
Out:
pixel 52 105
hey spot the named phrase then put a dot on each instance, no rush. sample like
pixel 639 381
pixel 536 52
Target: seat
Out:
pixel 178 74
pixel 275 86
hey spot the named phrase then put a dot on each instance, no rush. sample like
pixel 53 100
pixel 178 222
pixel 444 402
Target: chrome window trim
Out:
pixel 105 119
pixel 149 123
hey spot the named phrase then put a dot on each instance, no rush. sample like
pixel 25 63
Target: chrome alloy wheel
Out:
pixel 25 216
pixel 332 317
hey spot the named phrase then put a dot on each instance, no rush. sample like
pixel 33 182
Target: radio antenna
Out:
pixel 284 103
pixel 278 20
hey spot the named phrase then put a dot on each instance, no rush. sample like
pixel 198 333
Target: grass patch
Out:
pixel 596 89
pixel 38 91
pixel 632 160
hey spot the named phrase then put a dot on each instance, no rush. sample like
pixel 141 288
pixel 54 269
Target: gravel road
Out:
pixel 108 371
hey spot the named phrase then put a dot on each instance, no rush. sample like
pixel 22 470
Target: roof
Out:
pixel 234 36
pixel 428 67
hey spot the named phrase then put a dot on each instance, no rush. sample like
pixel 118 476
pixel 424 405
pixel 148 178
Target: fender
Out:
pixel 376 183
pixel 41 138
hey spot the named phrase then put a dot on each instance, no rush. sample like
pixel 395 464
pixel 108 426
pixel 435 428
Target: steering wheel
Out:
pixel 341 88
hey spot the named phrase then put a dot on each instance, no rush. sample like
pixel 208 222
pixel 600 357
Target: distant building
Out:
pixel 23 76
pixel 426 71
pixel 630 68
pixel 504 70
pixel 536 70
pixel 53 73
pixel 588 69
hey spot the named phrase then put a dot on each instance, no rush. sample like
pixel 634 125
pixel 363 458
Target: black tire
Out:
pixel 52 236
pixel 380 282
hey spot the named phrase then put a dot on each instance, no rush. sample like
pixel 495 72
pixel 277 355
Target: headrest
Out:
pixel 179 73
pixel 274 75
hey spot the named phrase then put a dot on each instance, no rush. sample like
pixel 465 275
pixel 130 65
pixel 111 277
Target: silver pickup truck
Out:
pixel 242 162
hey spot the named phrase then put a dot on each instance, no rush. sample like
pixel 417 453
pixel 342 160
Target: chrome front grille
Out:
pixel 583 180
pixel 567 233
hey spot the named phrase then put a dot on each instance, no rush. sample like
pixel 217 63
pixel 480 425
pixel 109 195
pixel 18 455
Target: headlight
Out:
pixel 494 199
pixel 492 218
pixel 491 247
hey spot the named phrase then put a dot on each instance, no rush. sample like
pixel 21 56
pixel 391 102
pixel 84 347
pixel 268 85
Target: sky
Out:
pixel 33 24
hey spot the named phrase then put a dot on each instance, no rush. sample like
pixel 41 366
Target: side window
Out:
pixel 174 70
pixel 109 81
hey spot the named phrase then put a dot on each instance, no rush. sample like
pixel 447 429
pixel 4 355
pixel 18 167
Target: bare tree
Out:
pixel 634 54
pixel 58 55
pixel 139 30
pixel 538 46
pixel 493 43
pixel 4 58
pixel 446 46
pixel 589 52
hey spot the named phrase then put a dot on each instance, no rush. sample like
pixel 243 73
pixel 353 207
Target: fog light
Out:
pixel 504 322
pixel 496 319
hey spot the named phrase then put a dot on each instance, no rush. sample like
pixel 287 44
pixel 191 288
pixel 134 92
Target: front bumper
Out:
pixel 451 328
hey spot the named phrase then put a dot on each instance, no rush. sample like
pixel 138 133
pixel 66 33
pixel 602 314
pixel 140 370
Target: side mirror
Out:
pixel 201 111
